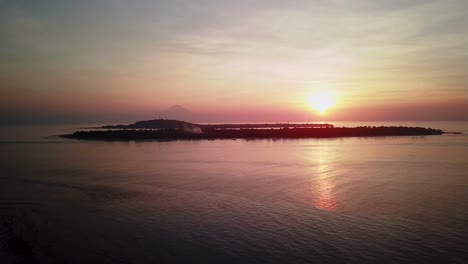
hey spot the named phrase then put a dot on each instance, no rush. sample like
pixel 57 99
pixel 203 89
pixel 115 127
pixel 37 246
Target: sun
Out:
pixel 322 101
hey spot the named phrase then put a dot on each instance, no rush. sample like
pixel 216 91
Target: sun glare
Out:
pixel 322 101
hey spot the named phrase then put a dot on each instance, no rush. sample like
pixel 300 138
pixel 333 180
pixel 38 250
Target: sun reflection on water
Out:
pixel 323 186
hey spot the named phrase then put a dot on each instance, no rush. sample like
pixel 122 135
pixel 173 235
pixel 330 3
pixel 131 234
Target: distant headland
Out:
pixel 167 129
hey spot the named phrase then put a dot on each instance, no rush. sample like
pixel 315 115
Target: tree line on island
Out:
pixel 166 129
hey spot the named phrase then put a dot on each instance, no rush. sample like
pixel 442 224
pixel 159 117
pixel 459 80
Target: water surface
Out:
pixel 349 200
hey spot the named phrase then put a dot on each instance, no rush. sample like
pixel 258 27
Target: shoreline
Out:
pixel 170 134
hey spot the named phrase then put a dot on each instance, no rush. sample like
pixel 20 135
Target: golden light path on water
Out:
pixel 321 179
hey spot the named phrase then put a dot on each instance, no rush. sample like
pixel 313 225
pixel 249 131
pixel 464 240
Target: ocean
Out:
pixel 342 200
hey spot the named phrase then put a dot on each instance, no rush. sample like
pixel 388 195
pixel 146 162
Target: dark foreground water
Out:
pixel 352 200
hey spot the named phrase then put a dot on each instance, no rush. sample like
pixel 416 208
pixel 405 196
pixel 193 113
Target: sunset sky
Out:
pixel 116 60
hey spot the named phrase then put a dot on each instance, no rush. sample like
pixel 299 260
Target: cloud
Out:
pixel 368 51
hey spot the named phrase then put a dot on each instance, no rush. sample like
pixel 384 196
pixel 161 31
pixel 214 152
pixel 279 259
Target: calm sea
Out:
pixel 349 200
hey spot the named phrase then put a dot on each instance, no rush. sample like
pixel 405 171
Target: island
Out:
pixel 164 129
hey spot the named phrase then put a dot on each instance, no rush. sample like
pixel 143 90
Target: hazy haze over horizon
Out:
pixel 88 61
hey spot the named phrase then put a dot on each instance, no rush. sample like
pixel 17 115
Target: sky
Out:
pixel 118 60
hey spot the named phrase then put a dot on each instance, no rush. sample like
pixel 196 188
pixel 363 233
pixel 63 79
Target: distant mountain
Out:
pixel 177 112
